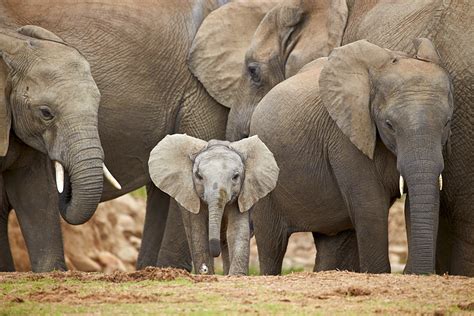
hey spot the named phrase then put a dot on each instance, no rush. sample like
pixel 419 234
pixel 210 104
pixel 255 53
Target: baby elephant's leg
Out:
pixel 238 237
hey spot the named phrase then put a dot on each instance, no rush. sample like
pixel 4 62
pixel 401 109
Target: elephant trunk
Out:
pixel 84 164
pixel 238 124
pixel 240 115
pixel 421 167
pixel 216 211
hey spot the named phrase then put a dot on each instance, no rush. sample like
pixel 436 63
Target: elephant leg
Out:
pixel 271 234
pixel 157 205
pixel 32 194
pixel 197 233
pixel 6 259
pixel 174 251
pixel 444 244
pixel 461 241
pixel 372 235
pixel 368 204
pixel 238 234
pixel 225 245
pixel 338 252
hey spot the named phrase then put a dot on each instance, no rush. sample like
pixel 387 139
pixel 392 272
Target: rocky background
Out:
pixel 111 239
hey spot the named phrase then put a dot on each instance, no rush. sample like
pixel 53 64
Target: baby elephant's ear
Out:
pixel 425 50
pixel 171 168
pixel 261 171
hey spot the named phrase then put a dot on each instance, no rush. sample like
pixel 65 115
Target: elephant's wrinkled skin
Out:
pixel 217 182
pixel 49 105
pixel 449 25
pixel 137 52
pixel 263 43
pixel 341 146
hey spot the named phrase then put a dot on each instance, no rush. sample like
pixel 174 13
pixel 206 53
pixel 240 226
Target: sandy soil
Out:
pixel 171 291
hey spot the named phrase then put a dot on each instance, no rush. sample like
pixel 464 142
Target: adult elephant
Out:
pixel 137 52
pixel 48 109
pixel 449 25
pixel 341 146
pixel 245 48
pixel 385 23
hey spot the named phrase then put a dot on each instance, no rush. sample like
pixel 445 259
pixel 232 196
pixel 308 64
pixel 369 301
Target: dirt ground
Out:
pixel 168 291
pixel 110 241
pixel 117 227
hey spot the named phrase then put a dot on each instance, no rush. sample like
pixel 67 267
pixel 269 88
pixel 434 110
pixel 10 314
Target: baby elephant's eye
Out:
pixel 198 175
pixel 236 177
pixel 46 113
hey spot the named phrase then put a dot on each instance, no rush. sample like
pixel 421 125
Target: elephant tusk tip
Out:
pixel 59 170
pixel 401 186
pixel 111 178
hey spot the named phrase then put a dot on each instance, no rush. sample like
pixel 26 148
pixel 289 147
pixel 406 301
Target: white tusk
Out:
pixel 59 176
pixel 203 269
pixel 401 184
pixel 440 182
pixel 111 178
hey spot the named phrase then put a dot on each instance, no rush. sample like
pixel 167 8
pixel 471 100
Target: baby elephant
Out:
pixel 229 178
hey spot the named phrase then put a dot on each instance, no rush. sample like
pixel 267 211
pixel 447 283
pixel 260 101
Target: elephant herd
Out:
pixel 242 117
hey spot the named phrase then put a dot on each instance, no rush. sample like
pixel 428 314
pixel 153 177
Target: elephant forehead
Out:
pixel 219 158
pixel 410 75
pixel 410 68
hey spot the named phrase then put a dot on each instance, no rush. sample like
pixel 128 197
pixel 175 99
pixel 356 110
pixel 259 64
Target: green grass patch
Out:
pixel 139 193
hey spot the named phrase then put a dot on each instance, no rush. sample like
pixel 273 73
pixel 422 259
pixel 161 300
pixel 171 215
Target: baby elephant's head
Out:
pixel 217 172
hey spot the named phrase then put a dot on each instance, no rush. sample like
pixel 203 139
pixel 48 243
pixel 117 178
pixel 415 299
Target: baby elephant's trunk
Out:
pixel 216 211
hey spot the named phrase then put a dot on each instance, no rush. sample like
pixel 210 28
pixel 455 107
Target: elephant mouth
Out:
pixel 65 196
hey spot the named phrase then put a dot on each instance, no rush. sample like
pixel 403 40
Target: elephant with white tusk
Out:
pixel 216 183
pixel 347 127
pixel 449 25
pixel 57 138
pixel 49 106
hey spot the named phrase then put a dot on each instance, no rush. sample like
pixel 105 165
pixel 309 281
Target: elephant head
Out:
pixel 50 102
pixel 243 49
pixel 408 102
pixel 216 172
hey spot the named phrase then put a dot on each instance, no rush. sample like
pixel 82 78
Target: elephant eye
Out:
pixel 389 125
pixel 46 113
pixel 254 72
pixel 236 177
pixel 198 176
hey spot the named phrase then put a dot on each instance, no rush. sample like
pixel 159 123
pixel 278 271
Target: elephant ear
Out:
pixel 171 168
pixel 345 91
pixel 10 45
pixel 321 32
pixel 261 171
pixel 40 33
pixel 273 35
pixel 218 50
pixel 426 51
